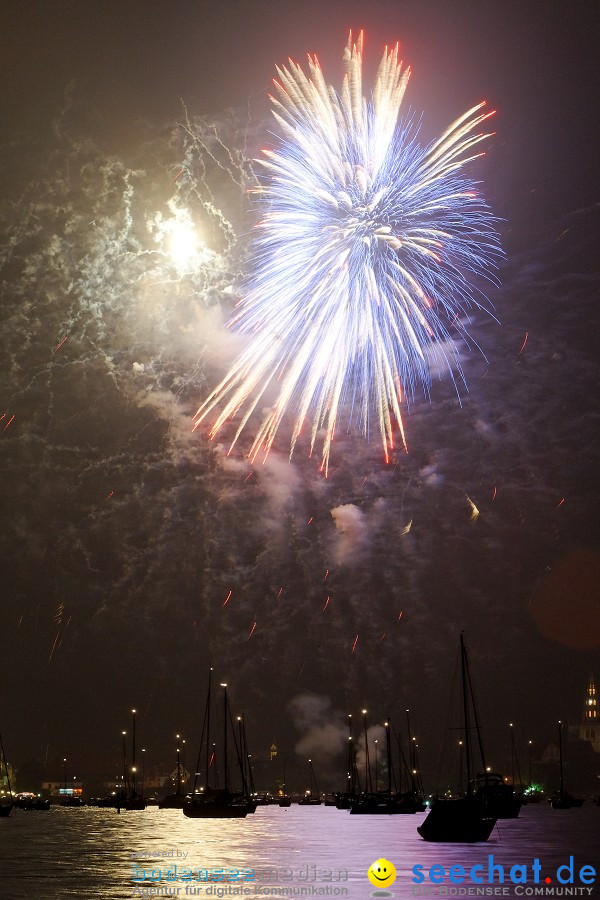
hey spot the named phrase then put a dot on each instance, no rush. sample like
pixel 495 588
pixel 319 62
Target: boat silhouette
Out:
pixel 462 819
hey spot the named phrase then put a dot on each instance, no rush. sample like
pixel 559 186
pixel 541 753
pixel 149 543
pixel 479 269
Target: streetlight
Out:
pixel 124 764
pixel 530 743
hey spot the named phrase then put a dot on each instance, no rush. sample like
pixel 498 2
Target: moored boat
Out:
pixel 463 819
pixel 562 799
pixel 6 805
pixel 217 802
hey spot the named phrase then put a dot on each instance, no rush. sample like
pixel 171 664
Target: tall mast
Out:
pixel 368 782
pixel 560 756
pixel 225 711
pixel 463 664
pixel 5 768
pixel 208 727
pixel 388 750
pixel 350 756
pixel 411 754
pixel 133 794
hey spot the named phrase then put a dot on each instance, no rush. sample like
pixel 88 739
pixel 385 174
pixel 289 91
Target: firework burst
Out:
pixel 364 262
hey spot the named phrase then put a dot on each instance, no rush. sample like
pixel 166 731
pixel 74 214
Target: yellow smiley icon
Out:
pixel 382 873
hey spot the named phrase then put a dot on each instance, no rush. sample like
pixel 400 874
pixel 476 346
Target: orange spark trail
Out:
pixel 227 598
pixel 251 631
pixel 10 421
pixel 58 346
pixel 326 604
pixel 524 342
pixel 53 646
pixel 355 643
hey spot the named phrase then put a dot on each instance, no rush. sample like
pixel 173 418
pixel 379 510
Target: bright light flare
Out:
pixel 178 239
pixel 183 242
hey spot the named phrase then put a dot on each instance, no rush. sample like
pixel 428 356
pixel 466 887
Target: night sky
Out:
pixel 123 532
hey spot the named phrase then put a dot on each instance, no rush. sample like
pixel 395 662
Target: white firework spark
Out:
pixel 364 259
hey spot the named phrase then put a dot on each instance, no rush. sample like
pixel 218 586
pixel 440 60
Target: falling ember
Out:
pixel 561 503
pixel 524 342
pixel 251 632
pixel 326 576
pixel 310 520
pixel 474 510
pixel 355 643
pixel 109 495
pixel 247 477
pixel 58 346
pixel 494 494
pixel 10 421
pixel 382 636
pixel 400 614
pixel 228 598
pixel 326 604
pixel 280 593
pixel 406 528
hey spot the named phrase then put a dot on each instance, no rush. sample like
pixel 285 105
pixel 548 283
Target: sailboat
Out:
pixel 176 800
pixel 346 799
pixel 215 802
pixel 6 808
pixel 381 802
pixel 133 800
pixel 563 800
pixel 283 799
pixel 312 797
pixel 463 819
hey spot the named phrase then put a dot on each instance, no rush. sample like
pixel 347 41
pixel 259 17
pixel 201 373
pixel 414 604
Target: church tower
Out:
pixel 589 730
pixel 590 714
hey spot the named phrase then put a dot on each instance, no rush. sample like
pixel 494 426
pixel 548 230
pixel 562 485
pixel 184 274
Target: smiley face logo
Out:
pixel 382 873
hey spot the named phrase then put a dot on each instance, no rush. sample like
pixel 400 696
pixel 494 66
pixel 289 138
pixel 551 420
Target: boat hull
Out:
pixel 565 801
pixel 215 810
pixel 461 821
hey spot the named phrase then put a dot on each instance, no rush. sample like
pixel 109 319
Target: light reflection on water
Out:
pixel 80 853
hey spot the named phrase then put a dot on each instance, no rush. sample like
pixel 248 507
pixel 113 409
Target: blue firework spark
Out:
pixel 364 261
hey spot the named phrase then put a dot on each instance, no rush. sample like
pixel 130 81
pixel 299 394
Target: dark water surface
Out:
pixel 92 852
